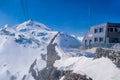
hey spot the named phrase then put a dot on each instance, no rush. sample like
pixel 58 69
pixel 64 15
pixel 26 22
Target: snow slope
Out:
pixel 26 43
pixel 84 63
pixel 19 48
pixel 68 46
pixel 21 45
pixel 99 69
pixel 30 25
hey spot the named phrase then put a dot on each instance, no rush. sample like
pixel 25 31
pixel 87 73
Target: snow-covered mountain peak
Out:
pixel 31 25
pixel 7 30
pixel 6 26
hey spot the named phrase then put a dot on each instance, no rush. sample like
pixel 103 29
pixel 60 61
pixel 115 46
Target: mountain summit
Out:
pixel 30 25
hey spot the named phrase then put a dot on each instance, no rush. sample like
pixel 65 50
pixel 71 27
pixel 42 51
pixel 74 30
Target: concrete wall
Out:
pixel 91 34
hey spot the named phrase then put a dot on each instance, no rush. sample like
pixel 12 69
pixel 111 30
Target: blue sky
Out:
pixel 71 16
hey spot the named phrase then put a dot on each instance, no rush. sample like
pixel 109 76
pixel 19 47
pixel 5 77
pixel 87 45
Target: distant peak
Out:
pixel 30 20
pixel 31 24
pixel 5 26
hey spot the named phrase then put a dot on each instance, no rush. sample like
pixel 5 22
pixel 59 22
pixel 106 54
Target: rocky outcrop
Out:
pixel 74 76
pixel 50 72
pixel 113 55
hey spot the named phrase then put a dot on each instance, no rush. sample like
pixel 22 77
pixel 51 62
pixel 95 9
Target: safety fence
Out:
pixel 103 45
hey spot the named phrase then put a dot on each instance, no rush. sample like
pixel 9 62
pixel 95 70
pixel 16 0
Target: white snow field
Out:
pixel 99 69
pixel 24 43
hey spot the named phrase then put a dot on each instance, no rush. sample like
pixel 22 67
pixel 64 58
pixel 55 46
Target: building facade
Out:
pixel 107 33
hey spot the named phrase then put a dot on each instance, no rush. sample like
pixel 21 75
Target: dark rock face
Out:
pixel 114 56
pixel 50 72
pixel 32 71
pixel 74 76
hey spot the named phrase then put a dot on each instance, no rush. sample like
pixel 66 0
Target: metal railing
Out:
pixel 102 45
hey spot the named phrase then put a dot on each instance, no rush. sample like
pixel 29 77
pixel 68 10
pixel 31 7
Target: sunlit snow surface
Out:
pixel 84 63
pixel 98 69
pixel 19 51
pixel 21 45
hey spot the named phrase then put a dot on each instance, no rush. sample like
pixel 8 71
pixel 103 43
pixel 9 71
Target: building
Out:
pixel 102 34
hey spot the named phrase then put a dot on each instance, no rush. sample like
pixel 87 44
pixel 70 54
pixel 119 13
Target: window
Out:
pixel 96 30
pixel 101 39
pixel 108 30
pixel 90 41
pixel 96 39
pixel 100 29
pixel 114 40
pixel 116 30
pixel 111 29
